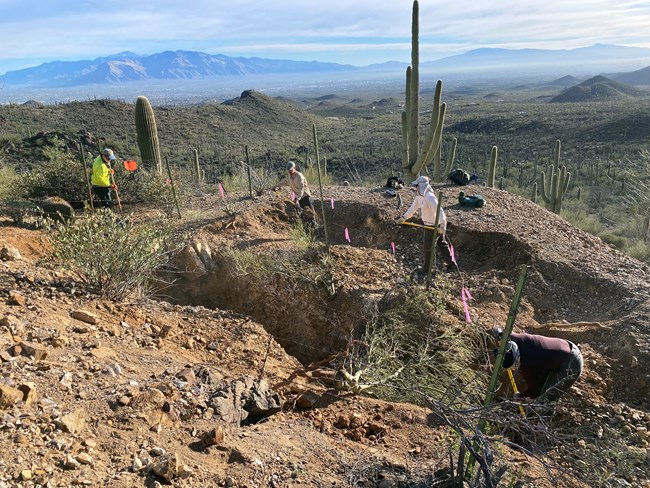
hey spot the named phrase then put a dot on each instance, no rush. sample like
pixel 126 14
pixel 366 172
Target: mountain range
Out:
pixel 128 66
pixel 188 65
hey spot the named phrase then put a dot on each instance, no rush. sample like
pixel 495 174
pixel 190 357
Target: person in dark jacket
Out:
pixel 548 365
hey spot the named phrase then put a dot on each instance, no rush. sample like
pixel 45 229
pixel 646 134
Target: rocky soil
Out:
pixel 223 380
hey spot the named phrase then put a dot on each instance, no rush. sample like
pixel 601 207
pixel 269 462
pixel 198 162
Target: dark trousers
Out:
pixel 103 196
pixel 309 213
pixel 441 245
pixel 306 202
pixel 558 381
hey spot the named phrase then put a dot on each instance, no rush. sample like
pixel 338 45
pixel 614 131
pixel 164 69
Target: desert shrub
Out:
pixel 60 175
pixel 302 235
pixel 618 241
pixel 246 262
pixel 639 250
pixel 8 183
pixel 145 186
pixel 412 347
pixel 309 265
pixel 583 221
pixel 311 174
pixel 108 254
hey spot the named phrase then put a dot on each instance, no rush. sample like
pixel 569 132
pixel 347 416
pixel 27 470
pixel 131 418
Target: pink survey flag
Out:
pixel 453 254
pixel 392 246
pixel 347 235
pixel 332 201
pixel 221 194
pixel 465 295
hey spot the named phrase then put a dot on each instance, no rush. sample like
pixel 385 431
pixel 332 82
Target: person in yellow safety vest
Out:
pixel 101 178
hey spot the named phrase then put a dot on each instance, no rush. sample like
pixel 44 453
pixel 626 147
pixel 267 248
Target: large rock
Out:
pixel 189 263
pixel 9 396
pixel 73 422
pixel 166 466
pixel 56 208
pixel 244 400
pixel 9 253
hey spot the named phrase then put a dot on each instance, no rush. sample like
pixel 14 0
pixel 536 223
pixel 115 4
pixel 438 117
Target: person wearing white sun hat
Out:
pixel 427 203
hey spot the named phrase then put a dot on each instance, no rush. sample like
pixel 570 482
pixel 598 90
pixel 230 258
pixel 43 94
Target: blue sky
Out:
pixel 358 32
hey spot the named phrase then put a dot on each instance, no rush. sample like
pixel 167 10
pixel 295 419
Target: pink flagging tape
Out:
pixel 453 254
pixel 168 182
pixel 392 246
pixel 293 196
pixel 221 194
pixel 465 295
pixel 347 235
pixel 332 201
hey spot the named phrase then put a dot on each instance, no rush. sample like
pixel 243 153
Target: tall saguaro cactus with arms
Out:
pixel 555 187
pixel 414 157
pixel 147 132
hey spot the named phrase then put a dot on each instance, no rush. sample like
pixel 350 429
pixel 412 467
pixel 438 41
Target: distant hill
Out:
pixel 567 81
pixel 598 58
pixel 635 78
pixel 597 88
pixel 329 97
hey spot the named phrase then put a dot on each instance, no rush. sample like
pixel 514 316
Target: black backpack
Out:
pixel 459 177
pixel 394 182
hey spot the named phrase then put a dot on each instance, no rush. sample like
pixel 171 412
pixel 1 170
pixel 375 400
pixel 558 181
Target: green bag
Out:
pixel 476 201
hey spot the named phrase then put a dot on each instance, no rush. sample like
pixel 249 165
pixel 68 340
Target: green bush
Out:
pixel 639 250
pixel 145 186
pixel 246 262
pixel 302 235
pixel 413 348
pixel 619 242
pixel 60 175
pixel 8 183
pixel 111 256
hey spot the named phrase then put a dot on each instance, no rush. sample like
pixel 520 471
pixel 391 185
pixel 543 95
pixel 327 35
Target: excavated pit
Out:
pixel 313 321
pixel 556 290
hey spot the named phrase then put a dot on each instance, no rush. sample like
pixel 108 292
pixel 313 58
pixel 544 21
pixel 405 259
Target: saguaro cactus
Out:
pixel 493 167
pixel 415 158
pixel 451 158
pixel 147 132
pixel 198 172
pixel 554 189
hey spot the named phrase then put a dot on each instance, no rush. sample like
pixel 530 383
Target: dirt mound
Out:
pixel 577 287
pixel 126 394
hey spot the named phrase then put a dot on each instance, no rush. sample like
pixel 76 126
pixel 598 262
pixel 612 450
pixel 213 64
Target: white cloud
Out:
pixel 359 31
